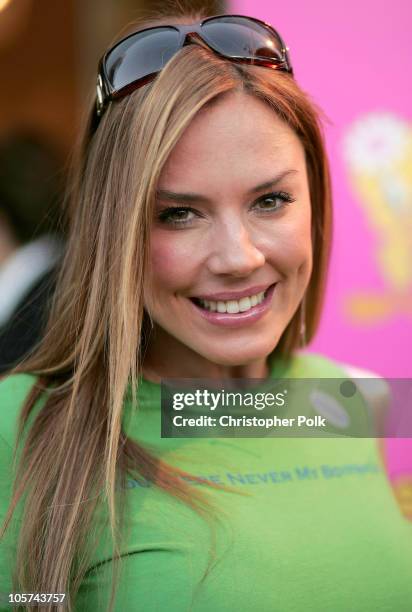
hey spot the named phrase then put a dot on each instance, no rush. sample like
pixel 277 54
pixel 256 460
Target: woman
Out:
pixel 200 233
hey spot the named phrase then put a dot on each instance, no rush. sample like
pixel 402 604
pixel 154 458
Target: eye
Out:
pixel 177 215
pixel 274 201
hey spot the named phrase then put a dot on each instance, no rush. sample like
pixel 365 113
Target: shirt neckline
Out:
pixel 149 391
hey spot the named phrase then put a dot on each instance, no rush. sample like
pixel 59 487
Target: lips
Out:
pixel 234 295
pixel 235 319
pixel 233 307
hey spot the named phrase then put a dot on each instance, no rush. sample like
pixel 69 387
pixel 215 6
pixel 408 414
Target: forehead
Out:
pixel 237 138
pixel 165 21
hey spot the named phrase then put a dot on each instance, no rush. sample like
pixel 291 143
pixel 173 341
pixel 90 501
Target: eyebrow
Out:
pixel 165 194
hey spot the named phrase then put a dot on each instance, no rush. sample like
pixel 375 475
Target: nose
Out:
pixel 235 252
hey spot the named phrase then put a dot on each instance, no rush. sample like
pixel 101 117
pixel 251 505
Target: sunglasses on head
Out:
pixel 139 57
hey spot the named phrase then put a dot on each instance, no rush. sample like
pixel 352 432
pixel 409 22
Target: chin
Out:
pixel 239 356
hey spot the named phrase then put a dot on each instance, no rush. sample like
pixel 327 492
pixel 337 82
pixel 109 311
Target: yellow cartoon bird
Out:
pixel 378 154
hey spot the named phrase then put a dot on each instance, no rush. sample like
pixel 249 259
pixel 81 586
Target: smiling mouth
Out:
pixel 232 306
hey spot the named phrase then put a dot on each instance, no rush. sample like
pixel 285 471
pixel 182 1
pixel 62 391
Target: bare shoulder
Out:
pixel 376 391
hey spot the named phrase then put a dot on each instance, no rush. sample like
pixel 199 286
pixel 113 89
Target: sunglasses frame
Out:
pixel 105 92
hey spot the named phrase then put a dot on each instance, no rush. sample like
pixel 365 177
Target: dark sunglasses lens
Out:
pixel 238 37
pixel 141 55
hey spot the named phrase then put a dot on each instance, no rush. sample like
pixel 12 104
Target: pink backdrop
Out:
pixel 355 59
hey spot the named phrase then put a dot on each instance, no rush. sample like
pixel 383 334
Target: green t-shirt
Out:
pixel 319 530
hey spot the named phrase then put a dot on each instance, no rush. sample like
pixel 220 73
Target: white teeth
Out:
pixel 245 304
pixel 234 306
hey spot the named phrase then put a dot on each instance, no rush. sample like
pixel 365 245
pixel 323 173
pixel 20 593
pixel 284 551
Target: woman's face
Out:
pixel 231 253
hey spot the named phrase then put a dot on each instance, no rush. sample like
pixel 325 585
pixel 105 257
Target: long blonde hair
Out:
pixel 75 452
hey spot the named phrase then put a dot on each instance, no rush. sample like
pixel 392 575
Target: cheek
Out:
pixel 290 246
pixel 172 262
